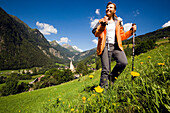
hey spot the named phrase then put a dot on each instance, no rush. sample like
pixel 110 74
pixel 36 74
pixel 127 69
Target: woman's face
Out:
pixel 110 10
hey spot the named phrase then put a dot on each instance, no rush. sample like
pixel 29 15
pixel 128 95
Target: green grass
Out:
pixel 162 41
pixel 1 85
pixel 59 64
pixel 6 72
pixel 36 76
pixel 150 89
pixel 34 101
pixel 25 81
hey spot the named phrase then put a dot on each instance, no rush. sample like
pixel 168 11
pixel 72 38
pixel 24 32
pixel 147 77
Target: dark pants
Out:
pixel 121 62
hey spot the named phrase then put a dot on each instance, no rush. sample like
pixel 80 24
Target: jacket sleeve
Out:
pixel 125 35
pixel 98 29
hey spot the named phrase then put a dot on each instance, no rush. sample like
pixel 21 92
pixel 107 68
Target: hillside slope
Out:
pixel 23 47
pixel 145 91
pixel 155 35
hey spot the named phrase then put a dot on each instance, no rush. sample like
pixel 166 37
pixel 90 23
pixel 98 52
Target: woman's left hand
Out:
pixel 133 28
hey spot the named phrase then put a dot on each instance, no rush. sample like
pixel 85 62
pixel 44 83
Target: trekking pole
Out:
pixel 133 54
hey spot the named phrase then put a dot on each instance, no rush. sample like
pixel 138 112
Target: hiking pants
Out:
pixel 111 51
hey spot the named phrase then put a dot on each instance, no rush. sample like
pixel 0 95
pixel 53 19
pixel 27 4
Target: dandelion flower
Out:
pixel 135 74
pixel 98 89
pixel 91 76
pixel 149 57
pixel 114 104
pixel 84 98
pixel 161 64
pixel 72 109
pixel 115 77
pixel 19 110
pixel 49 100
pixel 63 102
pixel 93 95
pixel 141 62
pixel 59 98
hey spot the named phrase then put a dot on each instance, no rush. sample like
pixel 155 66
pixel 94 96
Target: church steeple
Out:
pixel 72 66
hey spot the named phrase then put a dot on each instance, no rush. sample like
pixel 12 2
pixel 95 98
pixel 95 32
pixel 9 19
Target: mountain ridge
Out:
pixel 71 48
pixel 23 47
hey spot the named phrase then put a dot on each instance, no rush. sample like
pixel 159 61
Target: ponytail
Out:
pixel 115 16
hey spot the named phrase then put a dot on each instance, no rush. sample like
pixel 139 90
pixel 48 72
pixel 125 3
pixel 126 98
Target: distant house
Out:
pixel 34 81
pixel 77 76
pixel 37 79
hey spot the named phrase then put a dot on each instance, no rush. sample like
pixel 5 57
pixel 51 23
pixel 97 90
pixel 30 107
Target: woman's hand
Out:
pixel 133 28
pixel 104 20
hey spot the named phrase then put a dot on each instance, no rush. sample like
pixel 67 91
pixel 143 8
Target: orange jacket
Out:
pixel 100 32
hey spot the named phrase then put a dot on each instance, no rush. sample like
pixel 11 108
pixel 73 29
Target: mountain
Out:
pixel 84 54
pixel 72 48
pixel 155 35
pixel 23 47
pixel 67 53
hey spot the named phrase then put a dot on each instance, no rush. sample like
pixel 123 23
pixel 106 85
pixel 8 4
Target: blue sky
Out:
pixel 71 21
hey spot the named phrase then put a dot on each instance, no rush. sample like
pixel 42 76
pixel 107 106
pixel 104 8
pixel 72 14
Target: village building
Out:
pixel 72 66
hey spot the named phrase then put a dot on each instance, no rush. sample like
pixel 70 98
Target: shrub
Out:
pixel 11 86
pixel 23 87
pixel 82 68
pixel 144 46
pixel 2 79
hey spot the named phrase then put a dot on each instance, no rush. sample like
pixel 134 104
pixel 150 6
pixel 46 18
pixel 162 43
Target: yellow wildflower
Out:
pixel 93 95
pixel 149 57
pixel 91 76
pixel 115 77
pixel 49 100
pixel 63 102
pixel 141 62
pixel 59 98
pixel 84 98
pixel 19 110
pixel 98 89
pixel 72 109
pixel 135 74
pixel 161 64
pixel 114 104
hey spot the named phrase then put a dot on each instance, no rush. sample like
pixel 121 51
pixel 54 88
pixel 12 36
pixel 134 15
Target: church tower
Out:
pixel 72 66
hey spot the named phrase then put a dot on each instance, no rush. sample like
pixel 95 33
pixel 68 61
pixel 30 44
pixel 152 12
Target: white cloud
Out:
pixel 135 13
pixel 95 41
pixel 46 29
pixel 93 22
pixel 166 24
pixel 78 49
pixel 63 40
pixel 127 26
pixel 97 11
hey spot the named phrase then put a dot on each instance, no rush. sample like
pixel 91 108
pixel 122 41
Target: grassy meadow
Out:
pixel 147 92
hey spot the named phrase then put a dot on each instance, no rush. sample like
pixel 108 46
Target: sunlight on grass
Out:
pixel 148 92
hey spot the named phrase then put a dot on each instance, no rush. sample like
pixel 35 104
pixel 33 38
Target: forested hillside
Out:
pixel 155 35
pixel 23 47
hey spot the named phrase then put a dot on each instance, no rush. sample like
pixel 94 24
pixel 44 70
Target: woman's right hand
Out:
pixel 105 20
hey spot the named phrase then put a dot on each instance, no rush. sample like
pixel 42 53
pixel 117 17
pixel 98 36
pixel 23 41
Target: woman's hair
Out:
pixel 114 7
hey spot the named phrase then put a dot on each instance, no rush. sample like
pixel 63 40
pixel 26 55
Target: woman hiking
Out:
pixel 110 33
